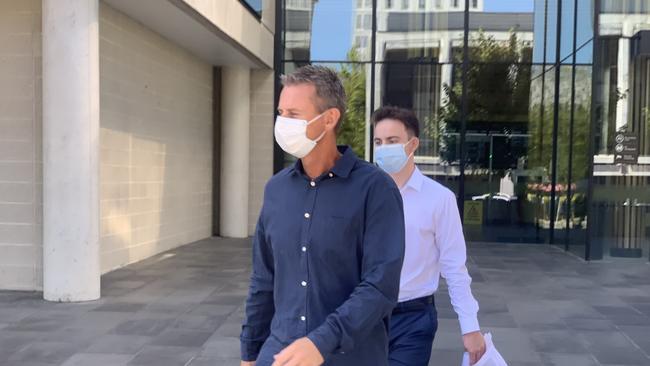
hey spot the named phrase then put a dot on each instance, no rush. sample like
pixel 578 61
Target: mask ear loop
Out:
pixel 408 142
pixel 314 120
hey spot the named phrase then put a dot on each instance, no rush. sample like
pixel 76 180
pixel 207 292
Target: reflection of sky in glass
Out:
pixel 508 6
pixel 334 19
pixel 255 4
pixel 585 31
pixel 332 29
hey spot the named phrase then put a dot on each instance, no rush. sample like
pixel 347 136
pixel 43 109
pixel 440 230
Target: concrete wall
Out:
pixel 233 19
pixel 156 143
pixel 261 141
pixel 21 251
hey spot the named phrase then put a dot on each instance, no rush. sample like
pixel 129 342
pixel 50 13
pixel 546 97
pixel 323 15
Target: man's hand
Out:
pixel 474 345
pixel 302 352
pixel 247 363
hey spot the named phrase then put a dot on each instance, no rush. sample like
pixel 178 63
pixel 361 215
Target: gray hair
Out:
pixel 329 89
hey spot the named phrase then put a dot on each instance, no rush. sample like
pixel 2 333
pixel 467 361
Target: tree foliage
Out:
pixel 353 126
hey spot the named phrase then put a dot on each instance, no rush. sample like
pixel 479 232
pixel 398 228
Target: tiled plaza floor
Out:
pixel 184 307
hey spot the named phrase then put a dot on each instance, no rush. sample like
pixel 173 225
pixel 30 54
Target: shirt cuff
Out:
pixel 468 324
pixel 250 350
pixel 323 338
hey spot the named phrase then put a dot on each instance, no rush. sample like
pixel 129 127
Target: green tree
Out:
pixel 352 129
pixel 498 90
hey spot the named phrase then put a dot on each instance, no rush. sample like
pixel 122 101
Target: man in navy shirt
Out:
pixel 329 243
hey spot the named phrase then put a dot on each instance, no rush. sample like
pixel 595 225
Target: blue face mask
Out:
pixel 392 157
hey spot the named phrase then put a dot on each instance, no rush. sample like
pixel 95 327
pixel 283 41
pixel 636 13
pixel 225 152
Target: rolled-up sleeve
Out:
pixel 259 304
pixel 376 295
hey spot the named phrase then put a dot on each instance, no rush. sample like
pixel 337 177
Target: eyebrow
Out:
pixel 288 110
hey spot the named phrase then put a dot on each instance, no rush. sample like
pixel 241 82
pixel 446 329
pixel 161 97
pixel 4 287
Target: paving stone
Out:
pixel 181 338
pixel 45 352
pixel 118 344
pixel 143 327
pixel 85 359
pixel 542 306
pixel 164 356
pixel 563 359
pixel 121 307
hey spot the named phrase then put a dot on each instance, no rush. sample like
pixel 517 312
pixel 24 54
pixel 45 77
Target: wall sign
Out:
pixel 626 148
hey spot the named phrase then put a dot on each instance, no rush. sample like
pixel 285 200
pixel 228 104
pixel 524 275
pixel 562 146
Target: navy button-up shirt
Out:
pixel 327 256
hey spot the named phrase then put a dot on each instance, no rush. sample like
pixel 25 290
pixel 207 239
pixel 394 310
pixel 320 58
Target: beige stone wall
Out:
pixel 156 143
pixel 261 141
pixel 232 18
pixel 21 248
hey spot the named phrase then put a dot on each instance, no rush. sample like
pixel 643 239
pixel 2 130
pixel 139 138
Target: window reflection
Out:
pixel 621 197
pixel 523 194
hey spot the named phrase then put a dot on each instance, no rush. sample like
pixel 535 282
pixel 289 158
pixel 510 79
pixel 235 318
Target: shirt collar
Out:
pixel 415 181
pixel 343 166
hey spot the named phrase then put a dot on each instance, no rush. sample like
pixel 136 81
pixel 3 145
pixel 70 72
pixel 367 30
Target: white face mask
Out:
pixel 291 135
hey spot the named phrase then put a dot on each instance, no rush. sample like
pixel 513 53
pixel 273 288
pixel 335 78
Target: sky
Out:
pixel 511 6
pixel 333 21
pixel 332 29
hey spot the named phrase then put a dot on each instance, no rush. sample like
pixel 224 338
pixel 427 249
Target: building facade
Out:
pixel 534 112
pixel 128 128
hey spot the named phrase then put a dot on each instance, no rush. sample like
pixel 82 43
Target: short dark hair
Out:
pixel 329 88
pixel 406 116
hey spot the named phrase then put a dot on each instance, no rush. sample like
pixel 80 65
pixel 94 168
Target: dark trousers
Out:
pixel 413 326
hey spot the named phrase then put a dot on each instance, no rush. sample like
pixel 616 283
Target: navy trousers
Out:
pixel 413 326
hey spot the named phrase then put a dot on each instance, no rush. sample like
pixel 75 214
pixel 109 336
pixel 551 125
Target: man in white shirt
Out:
pixel 435 246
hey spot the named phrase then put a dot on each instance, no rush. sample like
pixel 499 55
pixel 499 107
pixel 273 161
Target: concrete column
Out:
pixel 235 131
pixel 623 76
pixel 71 268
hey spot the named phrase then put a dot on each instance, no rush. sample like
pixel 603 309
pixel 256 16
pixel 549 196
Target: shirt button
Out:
pixel 331 175
pixel 304 249
pixel 303 283
pixel 312 183
pixel 307 215
pixel 303 318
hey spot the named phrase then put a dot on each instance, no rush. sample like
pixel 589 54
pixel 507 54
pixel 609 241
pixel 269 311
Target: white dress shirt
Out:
pixel 435 246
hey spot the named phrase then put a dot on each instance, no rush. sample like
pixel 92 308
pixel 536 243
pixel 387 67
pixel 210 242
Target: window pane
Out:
pixel 584 30
pixel 255 5
pixel 501 22
pixel 625 6
pixel 621 198
pixel 572 162
pixel 309 25
pixel 418 35
pixel 509 143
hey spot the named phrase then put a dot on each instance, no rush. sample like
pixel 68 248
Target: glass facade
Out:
pixel 521 103
pixel 620 203
pixel 255 6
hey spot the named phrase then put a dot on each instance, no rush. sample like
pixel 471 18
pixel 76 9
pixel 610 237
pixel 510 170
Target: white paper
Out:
pixel 492 357
pixel 506 185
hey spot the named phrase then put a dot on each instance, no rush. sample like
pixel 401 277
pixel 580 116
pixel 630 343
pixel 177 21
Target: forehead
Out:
pixel 390 127
pixel 297 95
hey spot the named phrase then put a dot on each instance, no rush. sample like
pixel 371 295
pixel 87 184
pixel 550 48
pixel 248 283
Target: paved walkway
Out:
pixel 184 307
